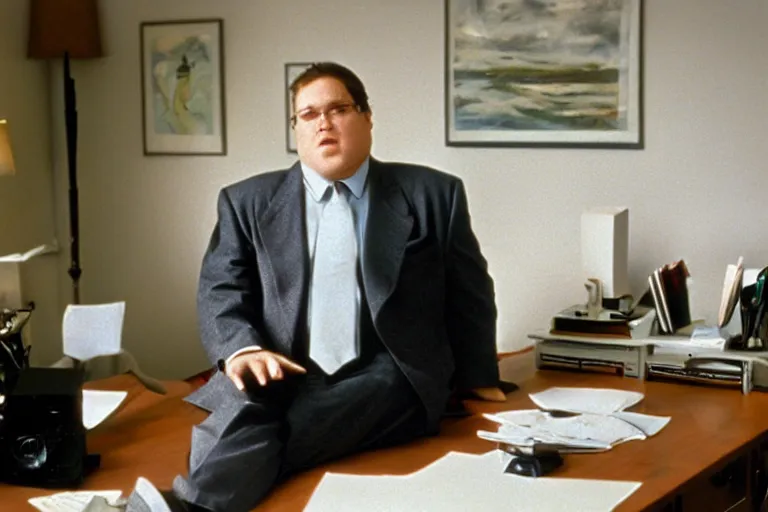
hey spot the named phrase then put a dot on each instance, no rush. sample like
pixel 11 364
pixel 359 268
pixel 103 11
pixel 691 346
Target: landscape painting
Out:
pixel 554 73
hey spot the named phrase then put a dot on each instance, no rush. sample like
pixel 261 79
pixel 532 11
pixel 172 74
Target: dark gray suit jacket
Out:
pixel 426 282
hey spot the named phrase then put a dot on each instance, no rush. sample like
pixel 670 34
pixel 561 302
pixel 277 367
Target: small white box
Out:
pixel 605 248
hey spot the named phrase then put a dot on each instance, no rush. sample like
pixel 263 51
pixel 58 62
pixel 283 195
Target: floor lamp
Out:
pixel 67 29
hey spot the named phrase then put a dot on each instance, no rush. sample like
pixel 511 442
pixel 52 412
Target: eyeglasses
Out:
pixel 331 112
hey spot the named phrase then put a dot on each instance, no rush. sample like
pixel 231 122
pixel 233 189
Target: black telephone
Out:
pixel 14 356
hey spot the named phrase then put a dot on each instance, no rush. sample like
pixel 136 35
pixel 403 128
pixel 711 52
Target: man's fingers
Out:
pixel 257 369
pixel 264 366
pixel 290 365
pixel 273 367
pixel 236 380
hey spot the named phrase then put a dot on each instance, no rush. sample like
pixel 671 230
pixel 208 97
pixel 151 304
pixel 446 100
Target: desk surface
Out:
pixel 150 436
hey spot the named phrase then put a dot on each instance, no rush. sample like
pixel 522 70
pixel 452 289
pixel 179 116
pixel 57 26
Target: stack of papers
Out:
pixel 73 501
pixel 579 433
pixel 574 420
pixel 461 482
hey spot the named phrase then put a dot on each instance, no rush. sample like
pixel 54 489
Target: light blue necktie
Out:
pixel 333 301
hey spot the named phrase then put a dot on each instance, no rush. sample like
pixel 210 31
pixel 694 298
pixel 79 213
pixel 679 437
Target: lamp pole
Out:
pixel 70 119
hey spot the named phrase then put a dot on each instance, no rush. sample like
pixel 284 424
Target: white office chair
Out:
pixel 102 367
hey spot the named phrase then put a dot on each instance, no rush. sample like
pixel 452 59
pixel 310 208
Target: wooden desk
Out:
pixel 148 436
pixel 710 428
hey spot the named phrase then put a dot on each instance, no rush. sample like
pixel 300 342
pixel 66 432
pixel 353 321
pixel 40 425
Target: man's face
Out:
pixel 332 136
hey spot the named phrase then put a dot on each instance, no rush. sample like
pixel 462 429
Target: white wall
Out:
pixel 27 199
pixel 146 220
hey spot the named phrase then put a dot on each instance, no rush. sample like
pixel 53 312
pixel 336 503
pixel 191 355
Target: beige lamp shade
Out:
pixel 58 26
pixel 6 155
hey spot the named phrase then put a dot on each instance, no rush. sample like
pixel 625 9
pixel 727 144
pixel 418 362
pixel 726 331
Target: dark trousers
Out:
pixel 253 441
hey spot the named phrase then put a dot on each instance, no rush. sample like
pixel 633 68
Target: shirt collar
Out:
pixel 317 184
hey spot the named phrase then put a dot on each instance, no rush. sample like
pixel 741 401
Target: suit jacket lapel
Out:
pixel 283 233
pixel 387 231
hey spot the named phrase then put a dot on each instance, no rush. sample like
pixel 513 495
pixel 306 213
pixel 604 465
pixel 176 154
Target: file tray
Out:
pixel 741 370
pixel 624 357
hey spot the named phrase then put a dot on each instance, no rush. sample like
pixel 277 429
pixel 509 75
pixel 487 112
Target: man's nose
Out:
pixel 324 121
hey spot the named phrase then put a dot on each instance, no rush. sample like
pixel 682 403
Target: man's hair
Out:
pixel 344 75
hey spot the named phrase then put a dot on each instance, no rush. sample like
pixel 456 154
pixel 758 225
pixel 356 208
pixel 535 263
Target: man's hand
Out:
pixel 264 365
pixel 489 394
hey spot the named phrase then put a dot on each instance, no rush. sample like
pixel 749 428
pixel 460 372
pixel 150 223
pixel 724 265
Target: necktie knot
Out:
pixel 339 191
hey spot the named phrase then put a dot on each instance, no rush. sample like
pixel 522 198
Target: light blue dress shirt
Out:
pixel 317 192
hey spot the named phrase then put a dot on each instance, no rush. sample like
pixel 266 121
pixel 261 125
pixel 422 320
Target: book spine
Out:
pixel 658 295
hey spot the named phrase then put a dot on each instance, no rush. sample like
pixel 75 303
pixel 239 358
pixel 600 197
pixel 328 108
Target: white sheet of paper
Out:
pixel 70 501
pixel 460 482
pixel 97 405
pixel 93 330
pixel 19 257
pixel 649 424
pixel 592 400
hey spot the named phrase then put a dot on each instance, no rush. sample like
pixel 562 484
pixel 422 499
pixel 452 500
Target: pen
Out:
pixel 758 301
pixel 758 297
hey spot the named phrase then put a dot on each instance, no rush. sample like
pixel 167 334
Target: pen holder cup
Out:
pixel 754 320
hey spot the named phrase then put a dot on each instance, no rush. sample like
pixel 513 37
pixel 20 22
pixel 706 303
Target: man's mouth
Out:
pixel 328 142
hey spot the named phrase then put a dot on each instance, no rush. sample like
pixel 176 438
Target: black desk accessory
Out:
pixel 539 461
pixel 534 465
pixel 754 316
pixel 42 437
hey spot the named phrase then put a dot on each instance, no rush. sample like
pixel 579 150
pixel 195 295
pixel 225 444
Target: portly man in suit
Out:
pixel 343 300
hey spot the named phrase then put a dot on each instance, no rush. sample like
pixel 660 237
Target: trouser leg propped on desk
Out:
pixel 246 444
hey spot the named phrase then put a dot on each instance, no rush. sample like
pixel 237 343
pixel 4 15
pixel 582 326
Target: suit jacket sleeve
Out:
pixel 228 298
pixel 470 301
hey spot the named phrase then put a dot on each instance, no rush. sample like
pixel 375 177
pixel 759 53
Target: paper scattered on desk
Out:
pixel 587 400
pixel 72 501
pixel 93 330
pixel 591 432
pixel 98 405
pixel 650 425
pixel 460 482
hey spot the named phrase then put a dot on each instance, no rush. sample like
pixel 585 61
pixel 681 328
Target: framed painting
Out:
pixel 182 86
pixel 521 73
pixel 292 71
